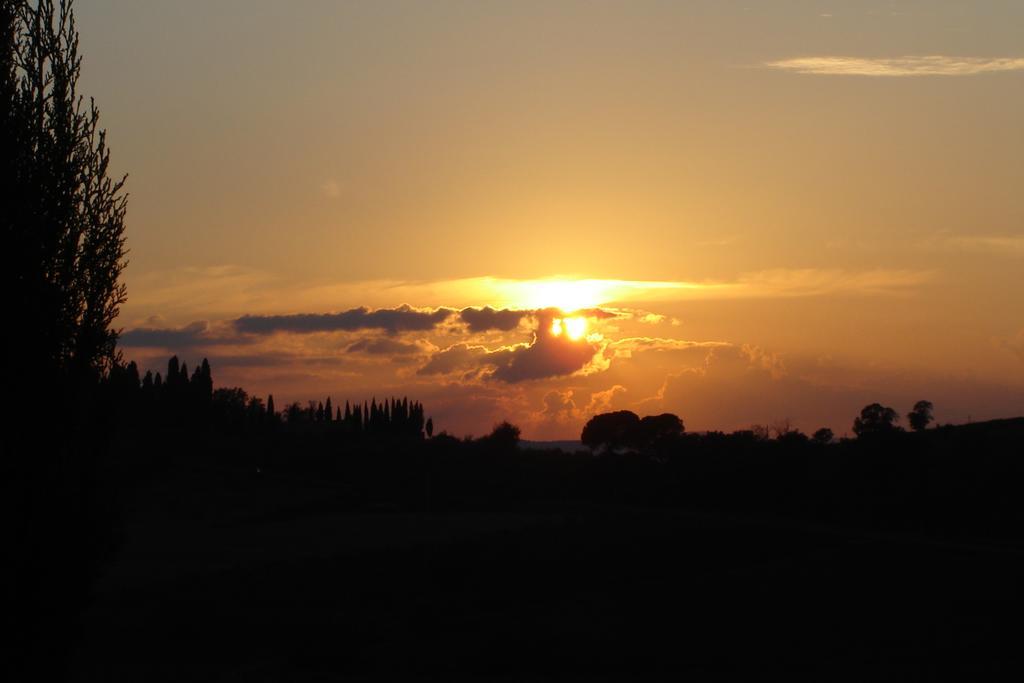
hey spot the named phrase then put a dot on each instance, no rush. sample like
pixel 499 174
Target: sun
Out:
pixel 565 295
pixel 574 328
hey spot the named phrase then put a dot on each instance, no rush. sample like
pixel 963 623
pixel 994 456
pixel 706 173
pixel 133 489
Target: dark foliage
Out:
pixel 62 231
pixel 623 429
pixel 874 420
pixel 642 561
pixel 181 402
pixel 921 416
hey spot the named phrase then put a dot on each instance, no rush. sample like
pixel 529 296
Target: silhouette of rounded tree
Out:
pixel 504 437
pixel 656 430
pixel 921 416
pixel 613 430
pixel 823 436
pixel 875 419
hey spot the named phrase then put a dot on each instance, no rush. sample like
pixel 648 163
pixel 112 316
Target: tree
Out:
pixel 430 427
pixel 920 416
pixel 875 419
pixel 62 252
pixel 504 437
pixel 782 428
pixel 823 436
pixel 62 220
pixel 610 430
pixel 656 430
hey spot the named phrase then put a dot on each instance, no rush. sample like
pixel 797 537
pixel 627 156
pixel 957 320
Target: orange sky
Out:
pixel 772 209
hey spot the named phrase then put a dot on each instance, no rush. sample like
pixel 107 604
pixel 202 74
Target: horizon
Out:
pixel 784 211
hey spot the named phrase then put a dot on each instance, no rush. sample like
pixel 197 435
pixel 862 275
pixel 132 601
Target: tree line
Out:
pixel 625 430
pixel 179 395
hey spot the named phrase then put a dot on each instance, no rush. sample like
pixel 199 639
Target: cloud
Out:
pixel 1010 245
pixel 390 320
pixel 456 357
pixel 384 346
pixel 486 318
pixel 1014 345
pixel 546 356
pixel 331 188
pixel 211 292
pixel 222 292
pixel 661 344
pixel 561 407
pixel 199 333
pixel 926 65
pixel 787 282
pixel 601 401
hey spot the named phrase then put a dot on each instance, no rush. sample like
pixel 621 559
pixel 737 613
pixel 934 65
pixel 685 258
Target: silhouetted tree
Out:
pixel 823 436
pixel 230 405
pixel 328 410
pixel 270 407
pixel 202 384
pixel 921 416
pixel 781 428
pixel 62 219
pixel 657 430
pixel 173 371
pixel 255 410
pixel 504 437
pixel 610 430
pixel 430 427
pixel 62 255
pixel 875 419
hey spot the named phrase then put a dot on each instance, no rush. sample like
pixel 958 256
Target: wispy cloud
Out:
pixel 1010 245
pixel 923 65
pixel 331 188
pixel 224 292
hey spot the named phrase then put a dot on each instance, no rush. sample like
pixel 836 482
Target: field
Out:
pixel 226 573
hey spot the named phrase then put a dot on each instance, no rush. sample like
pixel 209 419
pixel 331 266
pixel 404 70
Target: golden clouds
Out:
pixel 926 65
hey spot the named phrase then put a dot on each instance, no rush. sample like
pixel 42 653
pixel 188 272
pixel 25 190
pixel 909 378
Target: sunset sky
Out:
pixel 765 210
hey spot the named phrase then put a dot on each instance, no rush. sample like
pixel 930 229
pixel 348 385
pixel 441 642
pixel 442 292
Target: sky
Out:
pixel 764 210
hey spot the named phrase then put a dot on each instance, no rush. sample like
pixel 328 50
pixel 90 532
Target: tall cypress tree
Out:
pixel 61 227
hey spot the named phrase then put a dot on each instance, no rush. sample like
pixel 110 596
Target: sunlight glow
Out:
pixel 574 328
pixel 570 295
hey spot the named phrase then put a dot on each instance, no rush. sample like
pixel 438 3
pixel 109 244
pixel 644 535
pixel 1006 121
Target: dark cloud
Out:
pixel 455 357
pixel 507 319
pixel 487 318
pixel 390 320
pixel 383 346
pixel 194 334
pixel 601 313
pixel 546 356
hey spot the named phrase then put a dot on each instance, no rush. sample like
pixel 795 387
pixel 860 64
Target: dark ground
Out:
pixel 226 574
